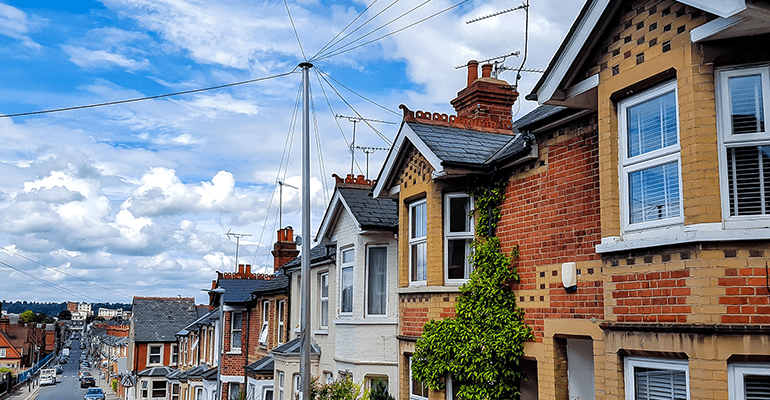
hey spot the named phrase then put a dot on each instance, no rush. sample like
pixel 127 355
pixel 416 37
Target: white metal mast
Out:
pixel 304 347
pixel 237 237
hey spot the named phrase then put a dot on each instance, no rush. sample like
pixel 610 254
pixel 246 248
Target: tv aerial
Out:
pixel 237 237
pixel 355 120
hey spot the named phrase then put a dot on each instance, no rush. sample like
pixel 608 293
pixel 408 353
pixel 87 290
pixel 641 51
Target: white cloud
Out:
pixel 15 24
pixel 107 47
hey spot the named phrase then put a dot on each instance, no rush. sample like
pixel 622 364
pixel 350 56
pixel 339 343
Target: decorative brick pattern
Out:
pixel 746 296
pixel 659 296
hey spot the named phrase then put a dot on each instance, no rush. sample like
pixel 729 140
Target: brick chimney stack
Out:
pixel 285 249
pixel 485 98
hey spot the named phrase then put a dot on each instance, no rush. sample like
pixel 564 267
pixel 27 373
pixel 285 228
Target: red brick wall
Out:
pixel 652 296
pixel 746 296
pixel 412 320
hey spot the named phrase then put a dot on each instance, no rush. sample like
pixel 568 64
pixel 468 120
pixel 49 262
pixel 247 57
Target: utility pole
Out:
pixel 237 237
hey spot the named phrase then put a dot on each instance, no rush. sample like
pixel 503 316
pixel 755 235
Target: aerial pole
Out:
pixel 237 237
pixel 353 147
pixel 281 184
pixel 304 347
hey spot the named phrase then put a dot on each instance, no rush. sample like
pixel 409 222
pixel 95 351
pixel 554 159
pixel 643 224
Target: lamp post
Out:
pixel 221 292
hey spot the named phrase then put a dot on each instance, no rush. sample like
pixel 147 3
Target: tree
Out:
pixel 65 315
pixel 379 392
pixel 28 316
pixel 481 346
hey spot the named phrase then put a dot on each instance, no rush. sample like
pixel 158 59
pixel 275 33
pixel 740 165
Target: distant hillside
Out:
pixel 53 309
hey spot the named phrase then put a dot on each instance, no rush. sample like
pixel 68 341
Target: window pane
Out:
pixel 378 260
pixel 419 262
pixel 458 214
pixel 652 125
pixel 746 107
pixel 654 193
pixel 325 313
pixel 660 384
pixel 457 258
pixel 748 175
pixel 347 290
pixel 237 320
pixel 757 387
pixel 325 285
pixel 347 256
pixel 419 221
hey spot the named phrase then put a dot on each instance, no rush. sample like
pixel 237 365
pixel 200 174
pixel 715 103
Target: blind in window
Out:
pixel 654 193
pixel 748 174
pixel 660 384
pixel 652 125
pixel 757 387
pixel 746 109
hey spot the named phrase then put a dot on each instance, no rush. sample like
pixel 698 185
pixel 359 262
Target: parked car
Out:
pixel 47 377
pixel 94 394
pixel 82 374
pixel 59 369
pixel 87 381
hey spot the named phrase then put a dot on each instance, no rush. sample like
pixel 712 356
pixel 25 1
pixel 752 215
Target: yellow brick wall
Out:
pixel 632 52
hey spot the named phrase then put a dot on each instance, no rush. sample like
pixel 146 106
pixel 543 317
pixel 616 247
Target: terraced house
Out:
pixel 638 205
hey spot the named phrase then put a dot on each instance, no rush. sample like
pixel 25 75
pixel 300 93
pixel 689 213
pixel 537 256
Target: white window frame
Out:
pixel 414 277
pixel 150 354
pixel 349 265
pixel 413 396
pixel 729 140
pixel 153 389
pixel 263 332
pixel 655 158
pixel 266 389
pixel 175 387
pixel 145 391
pixel 735 377
pixel 174 354
pixel 230 386
pixel 280 309
pixel 323 314
pixel 467 235
pixel 631 363
pixel 3 352
pixel 234 331
pixel 281 384
pixel 368 274
pixel 297 386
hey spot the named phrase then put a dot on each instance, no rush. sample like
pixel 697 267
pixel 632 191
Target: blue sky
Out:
pixel 137 197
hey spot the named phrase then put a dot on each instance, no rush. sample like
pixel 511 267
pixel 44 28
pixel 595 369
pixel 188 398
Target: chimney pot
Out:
pixel 248 269
pixel 486 70
pixel 240 269
pixel 473 71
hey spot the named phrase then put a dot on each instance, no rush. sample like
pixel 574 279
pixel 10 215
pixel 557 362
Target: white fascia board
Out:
pixel 576 42
pixel 710 29
pixel 583 86
pixel 328 216
pixel 722 8
pixel 406 133
pixel 707 232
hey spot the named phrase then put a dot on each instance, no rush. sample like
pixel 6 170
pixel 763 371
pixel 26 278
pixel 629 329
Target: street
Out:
pixel 67 384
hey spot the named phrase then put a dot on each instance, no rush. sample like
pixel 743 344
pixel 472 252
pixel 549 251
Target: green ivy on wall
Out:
pixel 481 346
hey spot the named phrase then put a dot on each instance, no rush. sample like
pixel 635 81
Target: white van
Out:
pixel 47 376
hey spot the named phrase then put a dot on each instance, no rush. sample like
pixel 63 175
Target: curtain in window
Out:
pixel 237 324
pixel 746 104
pixel 654 193
pixel 652 125
pixel 378 261
pixel 347 290
pixel 660 384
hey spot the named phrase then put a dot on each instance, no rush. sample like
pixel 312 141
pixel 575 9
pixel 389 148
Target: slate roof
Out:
pixel 195 372
pixel 292 347
pixel 265 365
pixel 460 146
pixel 368 211
pixel 239 290
pixel 159 319
pixel 320 252
pixel 210 374
pixel 542 115
pixel 203 320
pixel 157 371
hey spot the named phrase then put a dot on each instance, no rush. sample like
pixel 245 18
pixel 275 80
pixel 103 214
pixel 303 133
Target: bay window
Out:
pixel 280 309
pixel 656 379
pixel 265 322
pixel 377 280
pixel 236 328
pixel 650 167
pixel 745 140
pixel 324 299
pixel 418 241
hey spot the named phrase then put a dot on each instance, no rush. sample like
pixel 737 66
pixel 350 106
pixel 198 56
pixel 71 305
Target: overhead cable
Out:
pixel 46 282
pixel 295 30
pixel 160 96
pixel 345 28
